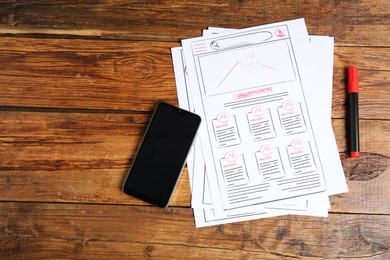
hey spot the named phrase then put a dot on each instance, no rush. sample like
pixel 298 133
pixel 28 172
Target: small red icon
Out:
pixel 231 156
pixel 266 149
pixel 258 110
pixel 288 105
pixel 297 143
pixel 223 117
pixel 280 33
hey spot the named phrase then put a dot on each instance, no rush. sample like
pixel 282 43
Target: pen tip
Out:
pixel 355 154
pixel 353 85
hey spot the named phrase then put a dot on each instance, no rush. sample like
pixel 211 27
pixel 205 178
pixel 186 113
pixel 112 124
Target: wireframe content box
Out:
pixel 260 65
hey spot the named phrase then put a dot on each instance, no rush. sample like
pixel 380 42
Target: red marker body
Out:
pixel 353 112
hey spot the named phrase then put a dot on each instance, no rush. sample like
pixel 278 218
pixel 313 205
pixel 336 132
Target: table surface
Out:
pixel 78 82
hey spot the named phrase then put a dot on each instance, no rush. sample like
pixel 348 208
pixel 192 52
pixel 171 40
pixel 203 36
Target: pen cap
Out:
pixel 353 85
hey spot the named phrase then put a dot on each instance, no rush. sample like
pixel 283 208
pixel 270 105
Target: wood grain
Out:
pixel 132 76
pixel 56 230
pixel 78 82
pixel 363 23
pixel 84 157
pixel 101 186
pixel 93 74
pixel 88 140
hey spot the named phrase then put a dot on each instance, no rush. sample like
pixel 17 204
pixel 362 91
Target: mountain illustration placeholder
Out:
pixel 252 67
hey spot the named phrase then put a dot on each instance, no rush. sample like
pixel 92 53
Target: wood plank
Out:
pixel 84 157
pixel 366 179
pixel 72 157
pixel 374 81
pixel 83 141
pixel 93 74
pixel 361 23
pixel 67 141
pixel 64 75
pixel 101 186
pixel 34 230
pixel 374 136
pixel 78 82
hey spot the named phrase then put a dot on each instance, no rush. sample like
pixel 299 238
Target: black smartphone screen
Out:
pixel 162 154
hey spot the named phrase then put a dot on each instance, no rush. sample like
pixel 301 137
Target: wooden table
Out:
pixel 78 82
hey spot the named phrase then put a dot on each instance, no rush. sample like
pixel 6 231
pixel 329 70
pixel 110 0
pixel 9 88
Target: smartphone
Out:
pixel 162 155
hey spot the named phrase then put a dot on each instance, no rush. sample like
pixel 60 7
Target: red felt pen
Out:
pixel 353 112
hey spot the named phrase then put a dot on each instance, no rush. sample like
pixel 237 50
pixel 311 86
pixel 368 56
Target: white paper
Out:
pixel 239 81
pixel 204 213
pixel 266 153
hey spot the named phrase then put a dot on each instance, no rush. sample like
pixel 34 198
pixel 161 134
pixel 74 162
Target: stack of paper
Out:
pixel 266 146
